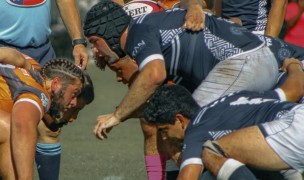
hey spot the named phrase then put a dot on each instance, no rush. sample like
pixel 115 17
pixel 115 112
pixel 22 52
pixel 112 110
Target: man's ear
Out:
pixel 56 84
pixel 179 118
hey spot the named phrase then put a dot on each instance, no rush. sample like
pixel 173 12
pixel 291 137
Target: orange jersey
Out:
pixel 18 84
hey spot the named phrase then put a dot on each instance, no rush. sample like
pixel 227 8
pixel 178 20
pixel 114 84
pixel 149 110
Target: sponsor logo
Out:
pixel 138 48
pixel 26 3
pixel 45 102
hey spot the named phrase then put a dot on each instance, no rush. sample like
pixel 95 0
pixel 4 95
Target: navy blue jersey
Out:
pixel 229 113
pixel 187 55
pixel 282 49
pixel 252 13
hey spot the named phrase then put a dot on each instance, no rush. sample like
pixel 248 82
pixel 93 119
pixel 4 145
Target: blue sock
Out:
pixel 235 170
pixel 48 161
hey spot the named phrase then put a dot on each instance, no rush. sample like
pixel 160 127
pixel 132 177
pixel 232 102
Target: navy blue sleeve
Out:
pixel 144 42
pixel 195 136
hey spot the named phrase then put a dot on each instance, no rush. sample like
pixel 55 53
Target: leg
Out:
pixel 247 146
pixel 48 153
pixel 155 161
pixel 47 159
pixel 6 165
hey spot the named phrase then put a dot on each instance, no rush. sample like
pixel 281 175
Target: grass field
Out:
pixel 120 157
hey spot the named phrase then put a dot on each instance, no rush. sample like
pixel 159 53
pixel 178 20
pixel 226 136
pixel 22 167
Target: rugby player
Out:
pixel 171 108
pixel 48 149
pixel 163 49
pixel 27 95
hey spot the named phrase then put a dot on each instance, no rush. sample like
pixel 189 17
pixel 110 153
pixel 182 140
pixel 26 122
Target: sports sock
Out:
pixel 48 161
pixel 155 166
pixel 234 170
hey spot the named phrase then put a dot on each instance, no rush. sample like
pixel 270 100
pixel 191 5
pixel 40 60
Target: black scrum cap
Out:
pixel 107 20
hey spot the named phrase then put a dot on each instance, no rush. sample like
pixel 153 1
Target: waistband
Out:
pixel 4 44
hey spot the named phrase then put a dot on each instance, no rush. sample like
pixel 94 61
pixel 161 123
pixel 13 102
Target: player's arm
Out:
pixel 150 77
pixel 70 16
pixel 190 172
pixel 25 117
pixel 218 8
pixel 293 86
pixel 13 57
pixel 276 17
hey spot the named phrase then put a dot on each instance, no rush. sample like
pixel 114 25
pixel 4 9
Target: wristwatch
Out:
pixel 79 41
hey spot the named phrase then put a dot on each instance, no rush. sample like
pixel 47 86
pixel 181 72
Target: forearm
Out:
pixel 218 8
pixel 294 84
pixel 137 96
pixel 276 17
pixel 13 57
pixel 70 16
pixel 142 88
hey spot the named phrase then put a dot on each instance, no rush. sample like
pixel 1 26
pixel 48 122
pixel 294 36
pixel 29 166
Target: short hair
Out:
pixel 87 92
pixel 166 102
pixel 107 20
pixel 67 71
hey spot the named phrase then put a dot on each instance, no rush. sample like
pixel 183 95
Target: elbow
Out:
pixel 158 78
pixel 155 72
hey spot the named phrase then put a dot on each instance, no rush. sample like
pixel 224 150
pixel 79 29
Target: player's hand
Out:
pixel 81 56
pixel 104 125
pixel 195 18
pixel 288 61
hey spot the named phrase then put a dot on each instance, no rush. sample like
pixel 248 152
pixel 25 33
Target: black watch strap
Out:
pixel 79 41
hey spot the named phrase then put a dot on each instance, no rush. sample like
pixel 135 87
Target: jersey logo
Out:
pixel 26 3
pixel 284 53
pixel 45 102
pixel 246 100
pixel 138 48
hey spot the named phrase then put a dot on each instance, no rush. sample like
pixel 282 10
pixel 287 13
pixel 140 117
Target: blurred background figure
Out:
pixel 294 20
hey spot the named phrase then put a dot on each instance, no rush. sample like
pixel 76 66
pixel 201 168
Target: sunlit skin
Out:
pixel 125 69
pixel 171 132
pixel 71 114
pixel 48 136
pixel 102 49
pixel 69 98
